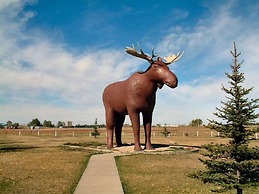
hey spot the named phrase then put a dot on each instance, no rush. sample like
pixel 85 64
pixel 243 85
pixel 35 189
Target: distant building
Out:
pixel 170 125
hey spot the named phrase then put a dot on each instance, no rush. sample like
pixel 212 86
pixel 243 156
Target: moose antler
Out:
pixel 169 59
pixel 173 58
pixel 142 55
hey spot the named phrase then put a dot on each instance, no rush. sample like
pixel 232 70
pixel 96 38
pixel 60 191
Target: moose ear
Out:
pixel 159 59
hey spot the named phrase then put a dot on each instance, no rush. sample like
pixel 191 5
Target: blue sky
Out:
pixel 56 57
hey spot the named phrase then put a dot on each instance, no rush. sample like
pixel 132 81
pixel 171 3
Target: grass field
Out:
pixel 161 174
pixel 36 161
pixel 31 164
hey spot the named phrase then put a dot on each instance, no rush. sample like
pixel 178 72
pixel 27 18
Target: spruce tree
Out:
pixel 95 133
pixel 234 165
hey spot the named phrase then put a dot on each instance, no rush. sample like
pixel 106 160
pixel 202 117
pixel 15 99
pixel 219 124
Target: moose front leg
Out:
pixel 147 121
pixel 110 123
pixel 134 117
pixel 109 138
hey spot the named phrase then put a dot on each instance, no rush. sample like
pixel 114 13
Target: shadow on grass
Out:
pixel 85 144
pixel 163 145
pixel 175 145
pixel 15 148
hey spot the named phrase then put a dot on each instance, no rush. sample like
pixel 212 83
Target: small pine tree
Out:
pixel 234 165
pixel 165 132
pixel 95 133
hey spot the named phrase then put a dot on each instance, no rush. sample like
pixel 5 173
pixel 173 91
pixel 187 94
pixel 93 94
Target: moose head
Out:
pixel 163 74
pixel 136 95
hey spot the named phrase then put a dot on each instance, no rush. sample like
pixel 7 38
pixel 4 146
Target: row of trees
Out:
pixel 46 123
pixel 36 122
pixel 11 125
pixel 199 122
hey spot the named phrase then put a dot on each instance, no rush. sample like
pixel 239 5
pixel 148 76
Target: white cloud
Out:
pixel 76 80
pixel 40 78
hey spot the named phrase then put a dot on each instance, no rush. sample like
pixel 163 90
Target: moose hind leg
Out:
pixel 118 128
pixel 134 117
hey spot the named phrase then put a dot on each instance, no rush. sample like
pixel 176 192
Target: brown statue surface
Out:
pixel 137 95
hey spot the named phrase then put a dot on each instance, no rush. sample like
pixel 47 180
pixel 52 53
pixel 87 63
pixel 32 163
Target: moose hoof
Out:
pixel 138 148
pixel 119 144
pixel 149 148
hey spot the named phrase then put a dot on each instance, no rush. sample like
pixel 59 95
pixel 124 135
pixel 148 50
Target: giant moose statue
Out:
pixel 137 95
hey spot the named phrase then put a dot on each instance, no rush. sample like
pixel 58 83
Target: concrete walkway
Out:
pixel 101 176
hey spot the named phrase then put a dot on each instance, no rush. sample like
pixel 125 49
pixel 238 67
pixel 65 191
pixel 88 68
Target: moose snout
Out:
pixel 171 81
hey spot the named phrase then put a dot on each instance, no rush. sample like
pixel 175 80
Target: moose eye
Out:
pixel 155 66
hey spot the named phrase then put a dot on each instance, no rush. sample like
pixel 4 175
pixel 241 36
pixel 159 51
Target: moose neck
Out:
pixel 152 77
pixel 149 82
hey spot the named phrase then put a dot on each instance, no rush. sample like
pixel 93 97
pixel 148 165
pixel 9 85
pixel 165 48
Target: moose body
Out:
pixel 133 96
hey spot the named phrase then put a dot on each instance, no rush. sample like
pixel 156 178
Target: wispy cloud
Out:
pixel 207 48
pixel 46 79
